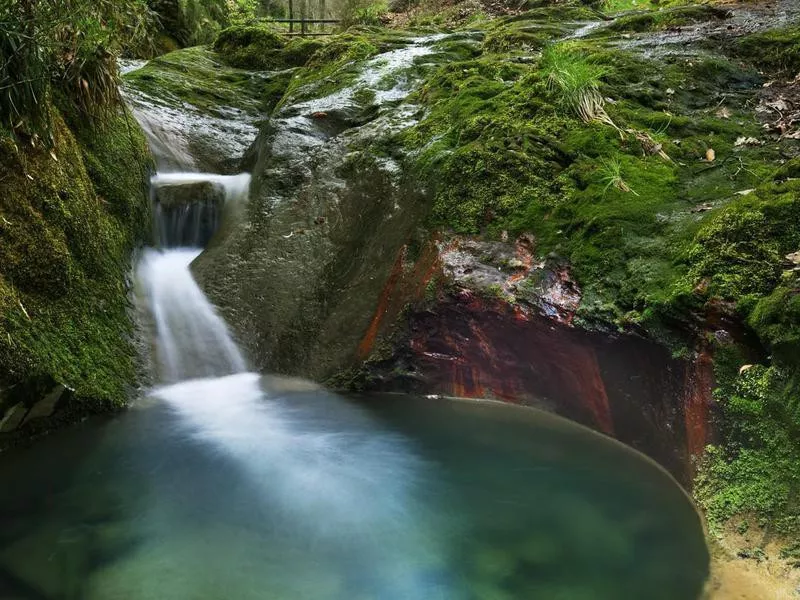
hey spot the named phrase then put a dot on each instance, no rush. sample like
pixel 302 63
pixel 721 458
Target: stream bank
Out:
pixel 71 216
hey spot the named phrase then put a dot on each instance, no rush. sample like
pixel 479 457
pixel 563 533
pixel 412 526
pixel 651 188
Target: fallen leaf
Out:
pixel 747 141
pixel 724 113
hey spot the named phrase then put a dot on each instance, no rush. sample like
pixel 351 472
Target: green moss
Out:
pixel 774 50
pixel 754 473
pixel 198 77
pixel 69 221
pixel 776 319
pixel 332 66
pixel 256 46
pixel 655 20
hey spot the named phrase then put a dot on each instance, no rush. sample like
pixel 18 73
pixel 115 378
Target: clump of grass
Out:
pixel 576 81
pixel 611 170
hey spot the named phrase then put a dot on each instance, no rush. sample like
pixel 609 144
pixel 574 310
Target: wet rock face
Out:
pixel 199 114
pixel 26 408
pixel 624 386
pixel 298 277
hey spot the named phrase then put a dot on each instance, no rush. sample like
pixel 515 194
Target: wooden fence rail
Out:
pixel 305 22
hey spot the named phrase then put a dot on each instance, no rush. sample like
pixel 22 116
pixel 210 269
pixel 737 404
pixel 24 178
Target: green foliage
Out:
pixel 362 12
pixel 69 46
pixel 754 473
pixel 612 176
pixel 776 319
pixel 575 80
pixel 192 22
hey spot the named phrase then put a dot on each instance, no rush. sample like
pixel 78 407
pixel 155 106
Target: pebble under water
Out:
pixel 242 487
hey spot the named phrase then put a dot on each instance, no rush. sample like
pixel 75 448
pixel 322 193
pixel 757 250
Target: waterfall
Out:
pixel 191 340
pixel 329 473
pixel 187 207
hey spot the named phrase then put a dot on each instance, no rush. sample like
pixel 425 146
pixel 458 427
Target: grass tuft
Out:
pixel 576 80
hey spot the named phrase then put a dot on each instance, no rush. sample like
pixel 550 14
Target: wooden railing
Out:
pixel 304 23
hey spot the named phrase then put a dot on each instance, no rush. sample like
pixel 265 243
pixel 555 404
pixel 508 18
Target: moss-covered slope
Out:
pixel 70 216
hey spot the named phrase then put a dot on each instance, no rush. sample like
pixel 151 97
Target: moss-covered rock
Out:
pixel 654 20
pixel 69 219
pixel 250 46
pixel 777 50
pixel 197 77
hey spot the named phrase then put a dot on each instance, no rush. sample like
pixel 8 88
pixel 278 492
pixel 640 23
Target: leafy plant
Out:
pixel 361 12
pixel 66 45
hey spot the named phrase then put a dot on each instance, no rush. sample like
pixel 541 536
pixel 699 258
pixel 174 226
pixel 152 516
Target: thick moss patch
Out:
pixel 198 77
pixel 655 20
pixel 69 220
pixel 258 46
pixel 777 50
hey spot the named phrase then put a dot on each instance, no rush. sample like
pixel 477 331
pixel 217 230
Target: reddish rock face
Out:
pixel 624 386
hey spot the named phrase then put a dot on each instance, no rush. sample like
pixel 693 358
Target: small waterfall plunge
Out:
pixel 191 340
pixel 187 207
pixel 328 473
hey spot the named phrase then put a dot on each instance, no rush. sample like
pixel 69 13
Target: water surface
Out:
pixel 212 489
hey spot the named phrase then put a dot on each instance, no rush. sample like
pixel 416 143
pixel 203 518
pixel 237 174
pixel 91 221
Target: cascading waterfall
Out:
pixel 188 207
pixel 191 339
pixel 348 487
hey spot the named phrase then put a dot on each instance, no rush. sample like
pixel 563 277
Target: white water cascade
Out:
pixel 191 340
pixel 328 473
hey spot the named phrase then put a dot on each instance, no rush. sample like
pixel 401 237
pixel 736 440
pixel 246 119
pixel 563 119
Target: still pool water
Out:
pixel 242 487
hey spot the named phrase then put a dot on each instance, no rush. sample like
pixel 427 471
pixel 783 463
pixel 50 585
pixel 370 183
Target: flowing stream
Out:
pixel 225 484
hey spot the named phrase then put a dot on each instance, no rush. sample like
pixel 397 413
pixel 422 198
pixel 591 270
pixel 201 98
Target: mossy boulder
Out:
pixel 70 217
pixel 777 50
pixel 666 18
pixel 250 46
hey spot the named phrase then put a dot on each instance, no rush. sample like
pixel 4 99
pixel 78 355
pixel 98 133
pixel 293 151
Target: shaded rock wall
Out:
pixel 622 385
